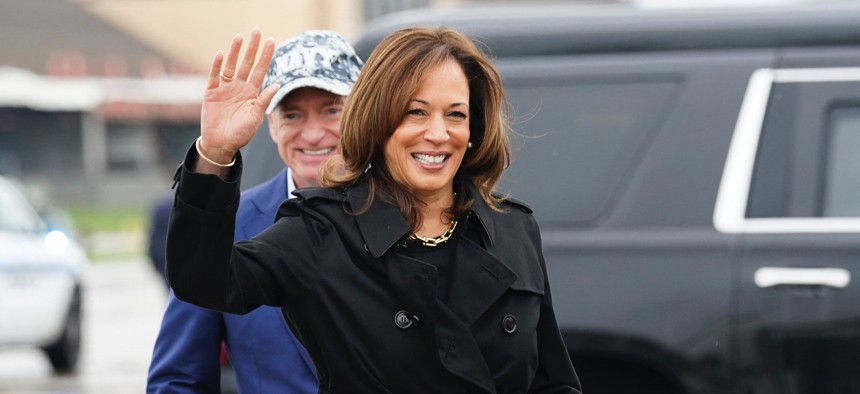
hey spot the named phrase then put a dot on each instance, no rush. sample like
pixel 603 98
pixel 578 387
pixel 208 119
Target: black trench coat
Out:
pixel 367 314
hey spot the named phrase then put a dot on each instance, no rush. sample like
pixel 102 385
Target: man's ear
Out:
pixel 272 127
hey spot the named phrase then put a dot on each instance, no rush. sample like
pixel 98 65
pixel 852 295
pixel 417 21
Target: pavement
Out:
pixel 124 302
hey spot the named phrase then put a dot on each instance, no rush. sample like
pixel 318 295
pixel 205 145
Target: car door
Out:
pixel 791 187
pixel 620 157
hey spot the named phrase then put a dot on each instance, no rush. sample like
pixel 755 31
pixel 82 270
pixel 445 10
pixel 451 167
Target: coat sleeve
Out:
pixel 203 265
pixel 186 355
pixel 555 373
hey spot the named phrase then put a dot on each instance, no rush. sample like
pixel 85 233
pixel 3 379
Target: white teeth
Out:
pixel 318 152
pixel 429 159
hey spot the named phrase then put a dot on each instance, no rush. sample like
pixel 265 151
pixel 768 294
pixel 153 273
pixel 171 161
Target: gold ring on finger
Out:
pixel 225 78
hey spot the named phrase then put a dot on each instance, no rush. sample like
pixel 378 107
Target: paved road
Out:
pixel 124 303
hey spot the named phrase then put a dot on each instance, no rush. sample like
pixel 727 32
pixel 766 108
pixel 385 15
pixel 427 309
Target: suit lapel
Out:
pixel 266 198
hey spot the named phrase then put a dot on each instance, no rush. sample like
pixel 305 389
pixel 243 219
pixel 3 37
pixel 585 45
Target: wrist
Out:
pixel 217 156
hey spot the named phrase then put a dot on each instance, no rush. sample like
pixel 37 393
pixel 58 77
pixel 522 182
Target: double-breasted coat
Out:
pixel 367 313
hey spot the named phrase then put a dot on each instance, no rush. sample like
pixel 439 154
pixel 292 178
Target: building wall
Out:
pixel 194 30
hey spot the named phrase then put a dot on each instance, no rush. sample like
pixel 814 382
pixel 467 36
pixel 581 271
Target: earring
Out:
pixel 469 145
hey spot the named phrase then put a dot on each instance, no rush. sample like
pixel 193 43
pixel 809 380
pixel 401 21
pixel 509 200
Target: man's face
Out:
pixel 306 128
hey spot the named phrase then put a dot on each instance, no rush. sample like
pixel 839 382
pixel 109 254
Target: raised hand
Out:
pixel 233 106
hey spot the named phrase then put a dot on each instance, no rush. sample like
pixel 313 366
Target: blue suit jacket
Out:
pixel 266 356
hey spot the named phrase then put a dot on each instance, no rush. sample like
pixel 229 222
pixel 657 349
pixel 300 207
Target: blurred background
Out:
pixel 99 99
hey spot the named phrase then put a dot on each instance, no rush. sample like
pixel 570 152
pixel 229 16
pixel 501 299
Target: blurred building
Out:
pixel 85 107
pixel 100 98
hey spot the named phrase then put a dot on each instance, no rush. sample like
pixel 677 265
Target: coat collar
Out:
pixel 382 225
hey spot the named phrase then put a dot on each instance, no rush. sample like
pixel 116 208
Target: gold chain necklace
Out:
pixel 435 241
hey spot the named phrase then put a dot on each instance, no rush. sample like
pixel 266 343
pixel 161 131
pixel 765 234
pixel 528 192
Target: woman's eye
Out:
pixel 333 110
pixel 415 111
pixel 458 114
pixel 291 116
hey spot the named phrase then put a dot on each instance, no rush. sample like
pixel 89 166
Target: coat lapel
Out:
pixel 381 226
pixel 479 279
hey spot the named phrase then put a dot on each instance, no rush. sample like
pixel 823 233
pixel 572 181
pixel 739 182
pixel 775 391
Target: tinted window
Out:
pixel 808 158
pixel 771 182
pixel 577 142
pixel 842 185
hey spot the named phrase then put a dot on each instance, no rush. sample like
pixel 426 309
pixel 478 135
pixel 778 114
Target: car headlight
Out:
pixel 56 241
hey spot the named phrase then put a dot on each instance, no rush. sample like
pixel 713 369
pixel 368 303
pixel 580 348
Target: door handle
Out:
pixel 766 277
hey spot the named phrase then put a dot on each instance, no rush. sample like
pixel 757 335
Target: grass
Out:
pixel 111 232
pixel 91 219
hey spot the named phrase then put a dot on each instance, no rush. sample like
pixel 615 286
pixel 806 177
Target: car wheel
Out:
pixel 63 354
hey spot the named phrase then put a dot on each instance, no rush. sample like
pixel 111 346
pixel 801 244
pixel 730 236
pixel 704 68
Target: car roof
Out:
pixel 509 31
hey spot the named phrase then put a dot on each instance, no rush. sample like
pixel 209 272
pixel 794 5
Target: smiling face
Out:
pixel 306 128
pixel 425 151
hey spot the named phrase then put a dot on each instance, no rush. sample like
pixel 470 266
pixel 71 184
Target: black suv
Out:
pixel 696 174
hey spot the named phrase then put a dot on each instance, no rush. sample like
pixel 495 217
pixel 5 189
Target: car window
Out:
pixel 808 159
pixel 842 179
pixel 771 181
pixel 578 140
pixel 16 215
pixel 792 164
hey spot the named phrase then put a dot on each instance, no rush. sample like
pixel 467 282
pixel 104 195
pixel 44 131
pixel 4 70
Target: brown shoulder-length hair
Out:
pixel 380 99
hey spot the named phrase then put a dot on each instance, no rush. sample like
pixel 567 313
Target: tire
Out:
pixel 64 353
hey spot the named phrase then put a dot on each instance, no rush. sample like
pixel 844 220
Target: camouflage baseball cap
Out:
pixel 316 58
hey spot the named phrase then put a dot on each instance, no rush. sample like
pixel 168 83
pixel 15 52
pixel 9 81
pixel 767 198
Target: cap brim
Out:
pixel 337 87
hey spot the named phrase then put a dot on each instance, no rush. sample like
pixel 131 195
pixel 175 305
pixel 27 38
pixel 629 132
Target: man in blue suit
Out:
pixel 315 71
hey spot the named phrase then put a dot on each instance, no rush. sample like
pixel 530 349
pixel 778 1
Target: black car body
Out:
pixel 696 175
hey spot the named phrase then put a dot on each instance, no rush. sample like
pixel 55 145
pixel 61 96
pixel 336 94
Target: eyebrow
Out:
pixel 450 106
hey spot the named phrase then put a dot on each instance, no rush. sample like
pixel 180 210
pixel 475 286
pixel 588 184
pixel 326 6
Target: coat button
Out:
pixel 509 324
pixel 402 319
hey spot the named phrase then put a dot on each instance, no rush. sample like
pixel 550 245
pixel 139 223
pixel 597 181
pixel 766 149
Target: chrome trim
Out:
pixel 766 277
pixel 730 208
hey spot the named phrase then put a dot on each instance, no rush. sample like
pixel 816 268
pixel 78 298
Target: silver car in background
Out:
pixel 41 276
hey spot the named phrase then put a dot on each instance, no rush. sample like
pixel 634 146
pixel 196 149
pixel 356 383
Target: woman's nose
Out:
pixel 437 130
